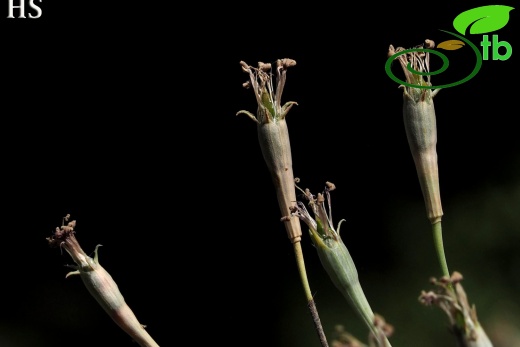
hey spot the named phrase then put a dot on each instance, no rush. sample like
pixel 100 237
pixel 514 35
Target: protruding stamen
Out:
pixel 391 51
pixel 264 67
pixel 330 186
pixel 301 212
pixel 285 219
pixel 429 43
pixel 245 67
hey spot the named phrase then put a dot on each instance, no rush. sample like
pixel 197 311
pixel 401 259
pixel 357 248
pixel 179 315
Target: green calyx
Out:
pixel 335 257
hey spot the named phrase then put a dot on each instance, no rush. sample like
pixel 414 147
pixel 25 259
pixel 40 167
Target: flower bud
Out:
pixel 421 128
pixel 100 284
pixel 273 135
pixel 335 257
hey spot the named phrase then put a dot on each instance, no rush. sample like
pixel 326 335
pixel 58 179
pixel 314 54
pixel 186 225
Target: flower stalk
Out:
pixel 100 284
pixel 336 259
pixel 273 137
pixel 421 131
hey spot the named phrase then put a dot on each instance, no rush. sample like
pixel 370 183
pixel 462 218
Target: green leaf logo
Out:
pixel 484 19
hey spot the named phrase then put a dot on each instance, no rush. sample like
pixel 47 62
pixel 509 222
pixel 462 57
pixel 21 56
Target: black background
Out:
pixel 123 115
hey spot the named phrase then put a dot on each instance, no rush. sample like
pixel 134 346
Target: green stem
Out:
pixel 301 268
pixel 439 247
pixel 307 289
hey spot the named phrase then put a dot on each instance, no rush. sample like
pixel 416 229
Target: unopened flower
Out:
pixel 420 124
pixel 273 134
pixel 335 257
pixel 452 299
pixel 100 284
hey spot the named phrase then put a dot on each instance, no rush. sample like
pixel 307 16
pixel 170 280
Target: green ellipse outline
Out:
pixel 478 65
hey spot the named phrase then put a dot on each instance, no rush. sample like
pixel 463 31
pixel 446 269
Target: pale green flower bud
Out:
pixel 335 257
pixel 273 134
pixel 421 128
pixel 100 284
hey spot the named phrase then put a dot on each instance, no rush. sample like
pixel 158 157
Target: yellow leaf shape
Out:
pixel 451 45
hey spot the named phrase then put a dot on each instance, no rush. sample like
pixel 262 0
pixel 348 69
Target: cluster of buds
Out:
pixel 452 299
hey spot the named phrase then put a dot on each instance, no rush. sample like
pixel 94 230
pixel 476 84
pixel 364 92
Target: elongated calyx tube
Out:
pixel 420 125
pixel 335 257
pixel 273 134
pixel 450 297
pixel 100 284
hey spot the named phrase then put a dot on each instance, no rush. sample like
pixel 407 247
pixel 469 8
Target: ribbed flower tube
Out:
pixel 421 127
pixel 273 135
pixel 421 131
pixel 100 284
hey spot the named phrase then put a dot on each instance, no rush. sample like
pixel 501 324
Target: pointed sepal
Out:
pixel 96 258
pixel 286 107
pixel 249 114
pixel 72 273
